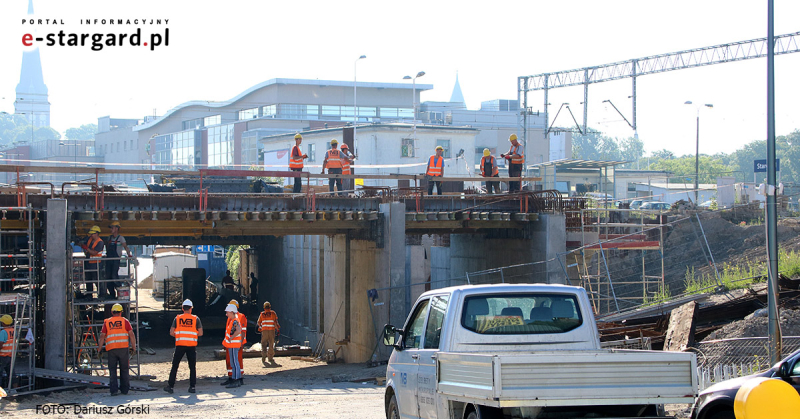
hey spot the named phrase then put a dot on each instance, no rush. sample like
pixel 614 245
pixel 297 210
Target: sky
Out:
pixel 219 49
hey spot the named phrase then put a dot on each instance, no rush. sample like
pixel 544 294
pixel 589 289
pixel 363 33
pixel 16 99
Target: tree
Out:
pixel 663 154
pixel 84 132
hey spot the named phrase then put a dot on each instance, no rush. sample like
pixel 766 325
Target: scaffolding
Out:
pixel 18 269
pixel 88 309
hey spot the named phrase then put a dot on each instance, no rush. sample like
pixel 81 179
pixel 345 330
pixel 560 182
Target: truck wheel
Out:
pixel 393 412
pixel 484 412
pixel 725 414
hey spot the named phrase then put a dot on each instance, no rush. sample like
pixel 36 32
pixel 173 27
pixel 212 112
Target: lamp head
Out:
pixel 420 74
pixel 362 57
pixel 688 102
pixel 407 78
pixel 708 105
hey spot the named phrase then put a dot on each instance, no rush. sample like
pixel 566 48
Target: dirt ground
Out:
pixel 295 389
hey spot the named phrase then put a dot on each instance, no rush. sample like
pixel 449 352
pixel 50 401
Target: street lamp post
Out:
pixel 63 143
pixel 697 152
pixel 414 101
pixel 355 97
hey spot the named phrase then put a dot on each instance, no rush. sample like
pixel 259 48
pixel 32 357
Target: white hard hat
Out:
pixel 232 308
pixel 188 302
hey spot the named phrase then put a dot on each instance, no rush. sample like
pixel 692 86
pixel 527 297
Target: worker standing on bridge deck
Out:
pixel 229 362
pixel 7 342
pixel 516 159
pixel 93 249
pixel 489 169
pixel 270 329
pixel 112 251
pixel 347 160
pixel 436 169
pixel 233 344
pixel 186 328
pixel 117 334
pixel 296 161
pixel 333 162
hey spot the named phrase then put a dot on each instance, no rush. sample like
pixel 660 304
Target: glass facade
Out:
pixel 269 110
pixel 249 150
pixel 392 113
pixel 407 148
pixel 179 149
pixel 220 145
pixel 212 120
pixel 246 114
pixel 192 124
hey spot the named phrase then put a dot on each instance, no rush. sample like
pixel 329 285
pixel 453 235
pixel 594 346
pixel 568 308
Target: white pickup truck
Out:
pixel 522 351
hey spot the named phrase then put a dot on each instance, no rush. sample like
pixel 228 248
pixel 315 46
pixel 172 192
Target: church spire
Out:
pixel 30 7
pixel 457 96
pixel 31 91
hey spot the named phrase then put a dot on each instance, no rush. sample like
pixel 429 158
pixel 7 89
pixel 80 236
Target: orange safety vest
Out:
pixel 334 158
pixel 186 330
pixel 90 244
pixel 495 172
pixel 268 320
pixel 296 161
pixel 435 166
pixel 243 325
pixel 231 342
pixel 345 164
pixel 8 346
pixel 517 149
pixel 117 336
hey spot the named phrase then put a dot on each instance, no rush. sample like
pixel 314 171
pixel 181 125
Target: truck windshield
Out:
pixel 515 314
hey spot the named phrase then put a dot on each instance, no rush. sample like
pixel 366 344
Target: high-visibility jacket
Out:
pixel 435 166
pixel 296 158
pixel 243 325
pixel 268 320
pixel 345 164
pixel 229 341
pixel 186 330
pixel 517 149
pixel 492 161
pixel 91 244
pixel 117 336
pixel 334 157
pixel 8 346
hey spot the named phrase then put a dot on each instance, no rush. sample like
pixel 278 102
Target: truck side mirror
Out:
pixel 389 334
pixel 784 370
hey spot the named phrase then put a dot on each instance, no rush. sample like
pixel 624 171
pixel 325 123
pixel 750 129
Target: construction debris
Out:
pixel 680 333
pixel 280 351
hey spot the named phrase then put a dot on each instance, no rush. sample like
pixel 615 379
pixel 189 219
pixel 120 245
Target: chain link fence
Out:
pixel 723 359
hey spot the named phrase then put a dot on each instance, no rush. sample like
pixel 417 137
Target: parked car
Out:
pixel 706 205
pixel 656 205
pixel 636 203
pixel 716 402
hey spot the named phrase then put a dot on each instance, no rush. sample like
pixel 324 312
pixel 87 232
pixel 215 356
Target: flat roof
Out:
pixel 579 164
pixel 678 185
pixel 290 135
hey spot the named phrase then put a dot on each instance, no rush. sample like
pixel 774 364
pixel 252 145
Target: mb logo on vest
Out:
pixel 186 322
pixel 117 323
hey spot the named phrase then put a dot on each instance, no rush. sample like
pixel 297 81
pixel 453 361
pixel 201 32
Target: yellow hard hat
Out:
pixel 94 229
pixel 438 147
pixel 486 152
pixel 512 137
pixel 298 136
pixel 114 224
pixel 234 302
pixel 333 141
pixel 6 319
pixel 267 304
pixel 116 307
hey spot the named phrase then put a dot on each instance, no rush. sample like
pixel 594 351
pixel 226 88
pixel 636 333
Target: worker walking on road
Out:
pixel 347 161
pixel 270 329
pixel 333 162
pixel 228 362
pixel 296 161
pixel 117 334
pixel 516 159
pixel 489 169
pixel 233 344
pixel 435 169
pixel 186 328
pixel 7 342
pixel 227 281
pixel 115 240
pixel 93 249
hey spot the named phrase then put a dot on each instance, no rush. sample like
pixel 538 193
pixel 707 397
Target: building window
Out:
pixel 269 110
pixel 219 252
pixel 445 144
pixel 192 124
pixel 250 150
pixel 212 120
pixel 248 114
pixel 220 145
pixel 312 152
pixel 407 148
pixel 131 144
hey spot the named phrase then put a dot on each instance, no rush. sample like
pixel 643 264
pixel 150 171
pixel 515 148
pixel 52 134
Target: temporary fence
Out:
pixel 723 359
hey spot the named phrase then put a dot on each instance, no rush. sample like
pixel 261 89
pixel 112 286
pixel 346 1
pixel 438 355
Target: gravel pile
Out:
pixel 756 326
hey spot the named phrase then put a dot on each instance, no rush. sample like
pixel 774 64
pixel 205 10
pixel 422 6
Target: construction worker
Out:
pixel 270 328
pixel 296 161
pixel 6 347
pixel 233 345
pixel 333 162
pixel 117 335
pixel 112 251
pixel 516 159
pixel 227 281
pixel 186 328
pixel 436 169
pixel 489 169
pixel 347 160
pixel 92 249
pixel 243 324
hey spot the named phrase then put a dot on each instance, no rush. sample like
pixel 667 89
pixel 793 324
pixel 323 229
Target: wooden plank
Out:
pixel 680 333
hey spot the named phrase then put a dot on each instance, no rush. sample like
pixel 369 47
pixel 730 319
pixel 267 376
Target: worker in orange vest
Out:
pixel 347 160
pixel 233 344
pixel 7 342
pixel 243 323
pixel 436 169
pixel 186 328
pixel 93 249
pixel 489 169
pixel 296 161
pixel 333 162
pixel 117 334
pixel 270 329
pixel 516 159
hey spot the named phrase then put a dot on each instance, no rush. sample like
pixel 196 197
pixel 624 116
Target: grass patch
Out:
pixel 662 295
pixel 741 275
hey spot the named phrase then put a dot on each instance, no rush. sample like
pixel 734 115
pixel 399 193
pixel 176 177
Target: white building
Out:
pixel 674 192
